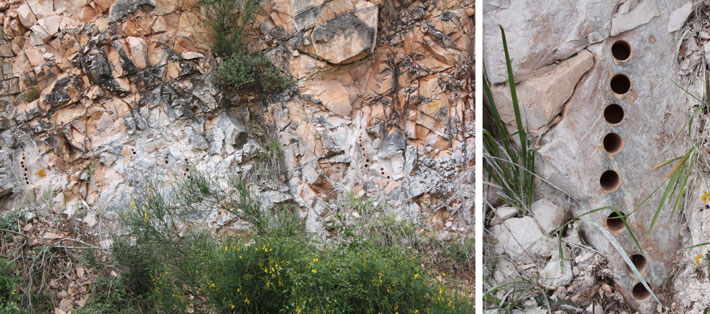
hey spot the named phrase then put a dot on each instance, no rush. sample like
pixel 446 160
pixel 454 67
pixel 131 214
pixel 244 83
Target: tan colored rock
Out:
pixel 333 9
pixel 12 27
pixel 24 13
pixel 163 7
pixel 139 51
pixel 159 26
pixel 102 6
pixel 545 95
pixel 50 24
pixel 69 7
pixel 331 94
pixel 88 14
pixel 34 57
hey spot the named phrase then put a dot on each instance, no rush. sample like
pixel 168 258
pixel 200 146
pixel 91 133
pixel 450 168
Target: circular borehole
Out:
pixel 613 143
pixel 621 50
pixel 640 293
pixel 613 114
pixel 639 262
pixel 620 84
pixel 609 181
pixel 614 223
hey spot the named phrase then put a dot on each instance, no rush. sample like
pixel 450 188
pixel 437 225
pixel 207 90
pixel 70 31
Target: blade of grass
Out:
pixel 624 255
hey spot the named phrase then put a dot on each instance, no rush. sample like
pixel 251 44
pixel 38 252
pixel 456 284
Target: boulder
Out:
pixel 503 213
pixel 346 38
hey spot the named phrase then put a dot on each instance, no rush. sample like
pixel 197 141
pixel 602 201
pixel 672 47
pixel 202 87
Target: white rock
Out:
pixel 503 213
pixel 548 215
pixel 554 275
pixel 27 18
pixel 522 238
pixel 679 16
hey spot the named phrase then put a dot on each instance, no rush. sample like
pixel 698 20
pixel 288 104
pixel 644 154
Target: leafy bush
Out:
pixel 242 69
pixel 173 267
pixel 9 299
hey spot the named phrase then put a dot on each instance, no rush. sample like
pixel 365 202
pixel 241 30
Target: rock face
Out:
pixel 101 95
pixel 572 155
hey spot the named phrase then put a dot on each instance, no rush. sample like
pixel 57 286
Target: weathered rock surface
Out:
pixel 572 155
pixel 124 91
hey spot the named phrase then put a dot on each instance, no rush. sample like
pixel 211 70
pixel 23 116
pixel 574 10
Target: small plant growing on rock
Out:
pixel 511 168
pixel 241 68
pixel 32 94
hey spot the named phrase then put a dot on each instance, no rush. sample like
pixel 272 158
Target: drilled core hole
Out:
pixel 613 143
pixel 639 262
pixel 613 114
pixel 614 223
pixel 620 84
pixel 621 50
pixel 609 180
pixel 640 293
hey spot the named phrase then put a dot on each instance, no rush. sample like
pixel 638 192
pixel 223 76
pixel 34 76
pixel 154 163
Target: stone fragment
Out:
pixel 50 24
pixel 521 237
pixel 554 275
pixel 66 89
pixel 34 57
pixel 139 51
pixel 159 26
pixel 347 38
pixel 503 213
pixel 121 8
pixel 639 15
pixel 548 215
pixel 27 18
pixel 679 16
pixel 87 14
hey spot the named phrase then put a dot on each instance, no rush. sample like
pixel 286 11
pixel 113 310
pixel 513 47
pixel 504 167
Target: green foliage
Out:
pixel 9 299
pixel 169 267
pixel 241 68
pixel 32 94
pixel 511 168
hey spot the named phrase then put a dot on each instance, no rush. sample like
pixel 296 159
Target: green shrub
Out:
pixel 278 268
pixel 9 299
pixel 242 69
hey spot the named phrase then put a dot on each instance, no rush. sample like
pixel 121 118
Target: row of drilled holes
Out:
pixel 613 143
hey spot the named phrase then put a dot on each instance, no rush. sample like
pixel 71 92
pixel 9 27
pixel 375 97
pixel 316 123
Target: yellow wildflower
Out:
pixel 231 305
pixel 246 300
pixel 697 259
pixel 226 248
pixel 133 205
pixel 416 276
pixel 212 285
pixel 315 260
pixel 315 271
pixel 145 216
pixel 705 197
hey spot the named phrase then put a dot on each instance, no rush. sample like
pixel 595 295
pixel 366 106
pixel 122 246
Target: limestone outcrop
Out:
pixel 100 96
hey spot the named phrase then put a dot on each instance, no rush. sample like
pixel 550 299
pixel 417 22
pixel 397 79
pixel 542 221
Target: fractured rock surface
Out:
pixel 103 95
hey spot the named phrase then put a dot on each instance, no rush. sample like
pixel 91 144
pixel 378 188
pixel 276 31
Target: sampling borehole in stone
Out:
pixel 639 262
pixel 614 223
pixel 620 84
pixel 613 114
pixel 609 181
pixel 640 293
pixel 613 143
pixel 621 50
